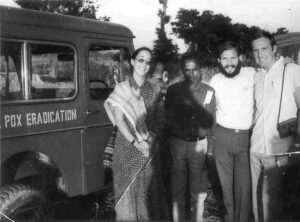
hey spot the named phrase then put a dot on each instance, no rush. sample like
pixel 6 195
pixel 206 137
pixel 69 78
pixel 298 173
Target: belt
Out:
pixel 189 138
pixel 233 130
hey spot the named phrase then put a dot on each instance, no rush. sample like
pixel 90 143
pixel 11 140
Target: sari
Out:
pixel 138 186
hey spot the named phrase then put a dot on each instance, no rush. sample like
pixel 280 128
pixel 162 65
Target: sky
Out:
pixel 140 16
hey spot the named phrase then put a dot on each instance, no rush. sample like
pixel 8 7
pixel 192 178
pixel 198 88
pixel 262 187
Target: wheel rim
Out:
pixel 30 213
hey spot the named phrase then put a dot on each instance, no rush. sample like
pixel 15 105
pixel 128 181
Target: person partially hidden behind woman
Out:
pixel 135 106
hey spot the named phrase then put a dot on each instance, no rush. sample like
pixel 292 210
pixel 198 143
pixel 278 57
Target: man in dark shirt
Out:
pixel 190 114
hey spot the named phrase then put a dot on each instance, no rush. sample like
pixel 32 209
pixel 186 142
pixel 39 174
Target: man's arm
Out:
pixel 296 79
pixel 297 99
pixel 297 96
pixel 159 118
pixel 211 134
pixel 169 107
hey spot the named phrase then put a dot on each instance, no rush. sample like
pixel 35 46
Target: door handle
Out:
pixel 92 112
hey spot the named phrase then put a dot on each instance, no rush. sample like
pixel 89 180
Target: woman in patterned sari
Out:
pixel 135 106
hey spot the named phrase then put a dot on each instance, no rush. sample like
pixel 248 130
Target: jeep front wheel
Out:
pixel 21 202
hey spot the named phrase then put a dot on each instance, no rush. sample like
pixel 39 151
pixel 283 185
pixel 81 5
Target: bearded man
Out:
pixel 234 116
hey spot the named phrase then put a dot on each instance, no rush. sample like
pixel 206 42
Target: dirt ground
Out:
pixel 100 207
pixel 214 209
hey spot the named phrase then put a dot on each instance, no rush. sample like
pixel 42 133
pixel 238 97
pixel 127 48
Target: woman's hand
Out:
pixel 152 139
pixel 143 146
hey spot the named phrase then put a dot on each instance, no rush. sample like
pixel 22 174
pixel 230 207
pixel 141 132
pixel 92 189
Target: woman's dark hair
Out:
pixel 228 45
pixel 137 51
pixel 264 34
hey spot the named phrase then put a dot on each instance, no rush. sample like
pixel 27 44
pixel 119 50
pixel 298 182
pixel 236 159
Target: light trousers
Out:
pixel 267 181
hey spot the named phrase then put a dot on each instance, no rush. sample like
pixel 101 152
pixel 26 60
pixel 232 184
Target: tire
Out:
pixel 21 202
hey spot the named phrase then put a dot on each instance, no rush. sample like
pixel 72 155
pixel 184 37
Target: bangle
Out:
pixel 150 138
pixel 147 138
pixel 133 141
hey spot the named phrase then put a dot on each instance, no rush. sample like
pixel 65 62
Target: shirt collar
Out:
pixel 186 85
pixel 274 66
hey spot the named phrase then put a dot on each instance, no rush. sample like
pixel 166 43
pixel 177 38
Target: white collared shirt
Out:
pixel 265 138
pixel 234 98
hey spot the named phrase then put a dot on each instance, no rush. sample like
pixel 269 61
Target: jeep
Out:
pixel 56 72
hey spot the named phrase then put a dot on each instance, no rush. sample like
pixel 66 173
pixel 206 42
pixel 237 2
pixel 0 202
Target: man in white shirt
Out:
pixel 266 174
pixel 234 116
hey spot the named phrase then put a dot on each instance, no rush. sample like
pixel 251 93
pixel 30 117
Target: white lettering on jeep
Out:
pixel 39 118
pixel 12 120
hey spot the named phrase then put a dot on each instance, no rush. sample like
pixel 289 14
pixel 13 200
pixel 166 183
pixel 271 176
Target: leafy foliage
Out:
pixel 281 30
pixel 204 32
pixel 80 8
pixel 163 49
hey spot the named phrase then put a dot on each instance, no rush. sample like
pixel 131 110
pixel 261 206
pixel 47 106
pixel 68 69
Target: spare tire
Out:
pixel 20 202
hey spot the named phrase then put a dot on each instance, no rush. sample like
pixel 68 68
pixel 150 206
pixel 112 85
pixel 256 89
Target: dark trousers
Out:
pixel 231 154
pixel 188 158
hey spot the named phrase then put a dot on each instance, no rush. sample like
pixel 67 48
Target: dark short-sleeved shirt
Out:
pixel 189 113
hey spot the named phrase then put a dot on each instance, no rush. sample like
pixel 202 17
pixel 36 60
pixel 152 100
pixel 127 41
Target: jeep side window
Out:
pixel 52 71
pixel 10 71
pixel 106 68
pixel 36 71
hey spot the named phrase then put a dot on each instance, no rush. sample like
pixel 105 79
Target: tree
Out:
pixel 204 32
pixel 164 50
pixel 244 36
pixel 281 30
pixel 80 8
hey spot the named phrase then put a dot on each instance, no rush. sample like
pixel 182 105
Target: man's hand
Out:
pixel 209 154
pixel 209 160
pixel 295 147
pixel 288 60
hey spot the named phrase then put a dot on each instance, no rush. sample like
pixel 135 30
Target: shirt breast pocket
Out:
pixel 247 95
pixel 276 86
pixel 248 87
